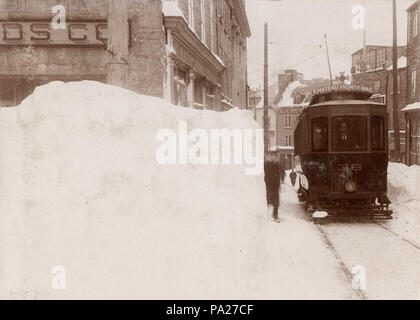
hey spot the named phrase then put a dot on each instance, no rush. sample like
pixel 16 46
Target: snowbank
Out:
pixel 403 182
pixel 404 193
pixel 80 187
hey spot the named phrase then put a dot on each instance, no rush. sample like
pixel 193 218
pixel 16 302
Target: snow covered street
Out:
pixel 390 258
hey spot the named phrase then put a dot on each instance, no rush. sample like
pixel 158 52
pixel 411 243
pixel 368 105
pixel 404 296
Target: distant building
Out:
pixel 255 96
pixel 289 99
pixel 272 142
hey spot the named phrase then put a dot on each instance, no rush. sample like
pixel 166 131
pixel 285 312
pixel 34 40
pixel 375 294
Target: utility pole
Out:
pixel 395 85
pixel 266 120
pixel 328 58
pixel 364 38
pixel 117 42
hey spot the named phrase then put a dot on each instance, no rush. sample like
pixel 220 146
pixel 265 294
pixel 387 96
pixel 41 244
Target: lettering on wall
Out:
pixel 77 33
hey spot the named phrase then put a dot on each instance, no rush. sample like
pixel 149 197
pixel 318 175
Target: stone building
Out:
pixel 191 52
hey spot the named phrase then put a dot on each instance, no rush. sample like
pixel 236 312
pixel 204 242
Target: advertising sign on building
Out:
pixel 79 33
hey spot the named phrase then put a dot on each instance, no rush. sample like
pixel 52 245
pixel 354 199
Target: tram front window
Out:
pixel 378 133
pixel 319 134
pixel 349 133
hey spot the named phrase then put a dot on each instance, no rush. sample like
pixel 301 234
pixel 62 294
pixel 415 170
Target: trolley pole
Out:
pixel 266 123
pixel 395 108
pixel 328 58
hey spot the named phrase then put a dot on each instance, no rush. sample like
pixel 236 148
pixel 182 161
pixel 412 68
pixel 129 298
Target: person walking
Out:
pixel 272 182
pixel 282 175
pixel 293 176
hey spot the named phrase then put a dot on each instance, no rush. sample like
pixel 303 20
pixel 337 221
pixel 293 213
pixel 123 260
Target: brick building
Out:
pixel 375 71
pixel 412 111
pixel 191 52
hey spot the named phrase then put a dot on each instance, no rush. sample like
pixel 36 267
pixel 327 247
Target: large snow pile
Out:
pixel 404 193
pixel 81 188
pixel 404 183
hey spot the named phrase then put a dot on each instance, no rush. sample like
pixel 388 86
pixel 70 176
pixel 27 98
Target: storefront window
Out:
pixel 319 134
pixel 415 142
pixel 378 133
pixel 349 133
pixel 7 93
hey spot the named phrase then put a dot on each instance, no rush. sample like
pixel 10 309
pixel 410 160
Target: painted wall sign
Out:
pixel 80 33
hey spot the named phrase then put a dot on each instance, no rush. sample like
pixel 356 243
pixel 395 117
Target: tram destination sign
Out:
pixel 76 33
pixel 341 88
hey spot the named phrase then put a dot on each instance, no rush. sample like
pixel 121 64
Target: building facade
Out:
pixel 412 111
pixel 190 52
pixel 272 124
pixel 373 68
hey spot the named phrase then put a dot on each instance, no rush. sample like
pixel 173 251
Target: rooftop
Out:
pixel 411 107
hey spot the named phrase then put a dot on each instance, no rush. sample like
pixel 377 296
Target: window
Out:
pixel 203 21
pixel 191 13
pixel 415 142
pixel 319 134
pixel 212 27
pixel 297 99
pixel 7 93
pixel 377 85
pixel 288 140
pixel 415 23
pixel 370 61
pixel 380 58
pixel 378 133
pixel 287 121
pixel 413 83
pixel 349 133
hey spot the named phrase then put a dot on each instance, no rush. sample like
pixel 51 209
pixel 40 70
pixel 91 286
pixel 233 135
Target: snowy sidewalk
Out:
pixel 300 264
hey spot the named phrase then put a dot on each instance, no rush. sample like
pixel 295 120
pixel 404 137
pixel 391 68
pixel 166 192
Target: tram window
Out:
pixel 378 133
pixel 319 128
pixel 349 133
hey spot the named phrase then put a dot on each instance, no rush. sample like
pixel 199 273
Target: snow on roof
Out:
pixel 219 59
pixel 287 97
pixel 413 106
pixel 402 63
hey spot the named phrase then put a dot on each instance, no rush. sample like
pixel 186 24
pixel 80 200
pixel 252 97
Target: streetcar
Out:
pixel 341 154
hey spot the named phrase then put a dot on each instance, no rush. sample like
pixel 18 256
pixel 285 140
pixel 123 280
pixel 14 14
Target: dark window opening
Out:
pixel 349 133
pixel 378 133
pixel 319 128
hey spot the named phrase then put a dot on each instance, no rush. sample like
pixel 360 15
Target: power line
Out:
pixel 294 65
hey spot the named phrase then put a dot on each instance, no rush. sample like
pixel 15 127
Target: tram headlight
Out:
pixel 350 186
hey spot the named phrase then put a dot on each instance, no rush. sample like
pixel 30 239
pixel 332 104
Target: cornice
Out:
pixel 182 32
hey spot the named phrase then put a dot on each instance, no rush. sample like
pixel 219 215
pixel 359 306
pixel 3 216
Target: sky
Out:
pixel 297 28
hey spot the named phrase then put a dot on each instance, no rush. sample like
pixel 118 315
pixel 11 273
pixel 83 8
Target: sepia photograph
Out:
pixel 209 150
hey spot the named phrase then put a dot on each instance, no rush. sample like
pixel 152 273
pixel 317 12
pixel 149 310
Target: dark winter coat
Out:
pixel 293 176
pixel 272 182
